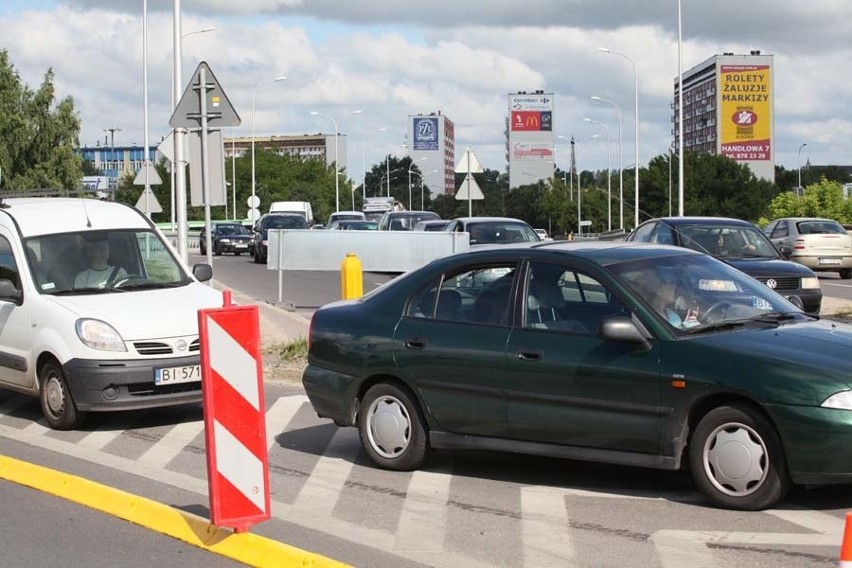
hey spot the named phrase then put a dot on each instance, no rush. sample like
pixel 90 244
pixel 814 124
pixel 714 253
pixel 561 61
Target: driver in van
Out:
pixel 100 273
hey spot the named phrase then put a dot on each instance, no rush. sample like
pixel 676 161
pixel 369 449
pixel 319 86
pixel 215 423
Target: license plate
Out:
pixel 174 375
pixel 242 246
pixel 829 261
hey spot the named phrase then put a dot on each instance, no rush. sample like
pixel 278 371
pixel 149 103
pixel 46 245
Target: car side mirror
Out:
pixel 202 272
pixel 10 293
pixel 785 251
pixel 625 330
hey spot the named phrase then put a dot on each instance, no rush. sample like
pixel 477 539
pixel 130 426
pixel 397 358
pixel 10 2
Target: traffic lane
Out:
pixel 834 286
pixel 307 290
pixel 41 530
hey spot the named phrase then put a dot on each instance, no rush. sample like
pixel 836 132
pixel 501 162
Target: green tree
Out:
pixel 37 135
pixel 821 199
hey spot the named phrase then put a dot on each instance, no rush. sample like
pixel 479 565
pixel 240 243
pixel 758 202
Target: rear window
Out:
pixel 820 228
pixel 287 223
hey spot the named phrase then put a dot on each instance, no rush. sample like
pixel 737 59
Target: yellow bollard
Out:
pixel 351 277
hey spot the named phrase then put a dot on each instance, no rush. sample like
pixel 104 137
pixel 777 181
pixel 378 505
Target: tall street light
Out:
pixel 579 178
pixel 799 164
pixel 620 162
pixel 679 113
pixel 253 191
pixel 608 177
pixel 411 165
pixel 336 155
pixel 636 129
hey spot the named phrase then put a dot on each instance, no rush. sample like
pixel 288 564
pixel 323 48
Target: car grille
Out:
pixel 782 283
pixel 160 348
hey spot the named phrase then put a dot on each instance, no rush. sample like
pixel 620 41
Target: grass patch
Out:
pixel 292 351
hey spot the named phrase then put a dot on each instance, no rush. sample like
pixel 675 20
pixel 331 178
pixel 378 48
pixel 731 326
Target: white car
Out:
pixel 96 328
pixel 820 244
pixel 542 234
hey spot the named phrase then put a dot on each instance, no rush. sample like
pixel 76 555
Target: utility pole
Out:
pixel 112 132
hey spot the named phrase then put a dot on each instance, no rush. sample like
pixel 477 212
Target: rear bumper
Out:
pixel 813 261
pixel 110 384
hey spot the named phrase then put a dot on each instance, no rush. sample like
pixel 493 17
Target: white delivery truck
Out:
pixel 98 311
pixel 303 208
pixel 375 207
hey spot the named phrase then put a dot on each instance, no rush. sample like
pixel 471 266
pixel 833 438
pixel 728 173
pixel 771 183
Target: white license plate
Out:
pixel 829 261
pixel 242 246
pixel 174 375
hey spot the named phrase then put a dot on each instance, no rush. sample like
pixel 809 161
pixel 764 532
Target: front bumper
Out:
pixel 114 384
pixel 233 247
pixel 817 441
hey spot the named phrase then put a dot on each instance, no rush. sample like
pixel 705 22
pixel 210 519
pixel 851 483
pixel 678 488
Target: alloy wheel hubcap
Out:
pixel 389 427
pixel 736 459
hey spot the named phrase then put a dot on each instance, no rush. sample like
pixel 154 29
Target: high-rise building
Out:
pixel 729 110
pixel 530 137
pixel 433 149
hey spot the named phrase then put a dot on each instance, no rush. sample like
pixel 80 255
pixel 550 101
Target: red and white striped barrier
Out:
pixel 234 415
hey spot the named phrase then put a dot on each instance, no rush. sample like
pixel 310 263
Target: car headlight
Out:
pixel 810 283
pixel 841 401
pixel 225 240
pixel 99 335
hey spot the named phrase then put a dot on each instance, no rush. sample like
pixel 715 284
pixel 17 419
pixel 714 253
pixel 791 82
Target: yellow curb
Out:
pixel 245 547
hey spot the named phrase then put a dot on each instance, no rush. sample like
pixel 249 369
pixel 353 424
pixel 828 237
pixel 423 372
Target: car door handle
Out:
pixel 415 343
pixel 530 355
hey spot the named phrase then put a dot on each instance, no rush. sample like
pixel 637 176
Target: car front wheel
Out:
pixel 57 405
pixel 737 460
pixel 846 273
pixel 392 428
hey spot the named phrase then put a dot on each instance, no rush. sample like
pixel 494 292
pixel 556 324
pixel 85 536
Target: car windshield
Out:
pixel 694 293
pixel 288 222
pixel 103 262
pixel 728 241
pixel 406 221
pixel 231 230
pixel 500 232
pixel 820 227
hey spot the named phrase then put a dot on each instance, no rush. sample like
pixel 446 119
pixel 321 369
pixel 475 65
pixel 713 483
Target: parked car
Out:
pixel 542 234
pixel 820 244
pixel 339 216
pixel 743 246
pixel 98 312
pixel 431 225
pixel 404 220
pixel 260 235
pixel 568 352
pixel 226 237
pixel 357 226
pixel 493 230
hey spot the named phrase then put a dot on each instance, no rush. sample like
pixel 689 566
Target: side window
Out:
pixel 561 299
pixel 662 235
pixel 8 266
pixel 479 294
pixel 767 230
pixel 781 230
pixel 643 233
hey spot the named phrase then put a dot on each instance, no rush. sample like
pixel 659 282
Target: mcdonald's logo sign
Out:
pixel 527 120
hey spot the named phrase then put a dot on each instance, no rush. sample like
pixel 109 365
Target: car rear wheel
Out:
pixel 846 273
pixel 737 460
pixel 57 405
pixel 392 429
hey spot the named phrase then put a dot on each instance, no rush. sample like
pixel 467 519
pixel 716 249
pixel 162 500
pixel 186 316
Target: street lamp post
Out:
pixel 636 129
pixel 253 192
pixel 679 112
pixel 608 177
pixel 336 155
pixel 620 162
pixel 799 164
pixel 411 165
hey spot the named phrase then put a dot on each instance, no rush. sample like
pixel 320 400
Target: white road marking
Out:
pixel 423 520
pixel 544 524
pixel 319 495
pixel 278 417
pixel 172 443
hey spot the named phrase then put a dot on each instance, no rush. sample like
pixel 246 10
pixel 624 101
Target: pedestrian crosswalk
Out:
pixel 439 516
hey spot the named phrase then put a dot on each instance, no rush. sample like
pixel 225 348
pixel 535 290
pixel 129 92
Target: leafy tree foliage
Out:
pixel 821 199
pixel 37 135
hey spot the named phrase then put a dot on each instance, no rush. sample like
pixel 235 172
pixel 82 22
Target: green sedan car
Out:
pixel 625 353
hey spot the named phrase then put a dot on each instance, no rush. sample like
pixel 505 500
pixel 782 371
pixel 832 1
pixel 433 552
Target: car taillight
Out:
pixel 799 245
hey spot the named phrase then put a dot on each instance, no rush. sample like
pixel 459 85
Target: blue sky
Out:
pixel 394 59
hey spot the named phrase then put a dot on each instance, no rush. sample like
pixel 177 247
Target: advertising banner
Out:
pixel 745 111
pixel 532 151
pixel 537 121
pixel 425 133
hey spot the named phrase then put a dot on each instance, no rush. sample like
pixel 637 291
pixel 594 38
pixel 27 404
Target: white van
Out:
pixel 303 208
pixel 97 312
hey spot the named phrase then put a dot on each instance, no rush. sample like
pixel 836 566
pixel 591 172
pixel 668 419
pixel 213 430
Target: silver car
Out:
pixel 820 244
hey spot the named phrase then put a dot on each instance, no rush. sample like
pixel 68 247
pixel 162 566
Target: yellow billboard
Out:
pixel 745 111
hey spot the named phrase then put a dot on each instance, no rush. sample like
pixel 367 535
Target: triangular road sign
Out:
pixel 469 163
pixel 148 203
pixel 153 176
pixel 469 187
pixel 220 111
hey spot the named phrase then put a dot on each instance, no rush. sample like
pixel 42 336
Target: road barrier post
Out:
pixel 351 277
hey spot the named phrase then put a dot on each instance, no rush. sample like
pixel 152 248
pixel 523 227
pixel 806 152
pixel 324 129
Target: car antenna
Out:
pixel 85 212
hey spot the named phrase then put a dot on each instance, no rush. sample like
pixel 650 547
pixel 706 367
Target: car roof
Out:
pixel 467 220
pixel 49 215
pixel 722 221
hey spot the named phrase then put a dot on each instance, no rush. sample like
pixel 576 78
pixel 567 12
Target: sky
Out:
pixel 395 58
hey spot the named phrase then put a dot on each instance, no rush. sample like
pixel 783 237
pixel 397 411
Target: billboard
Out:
pixel 425 133
pixel 536 101
pixel 745 107
pixel 528 120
